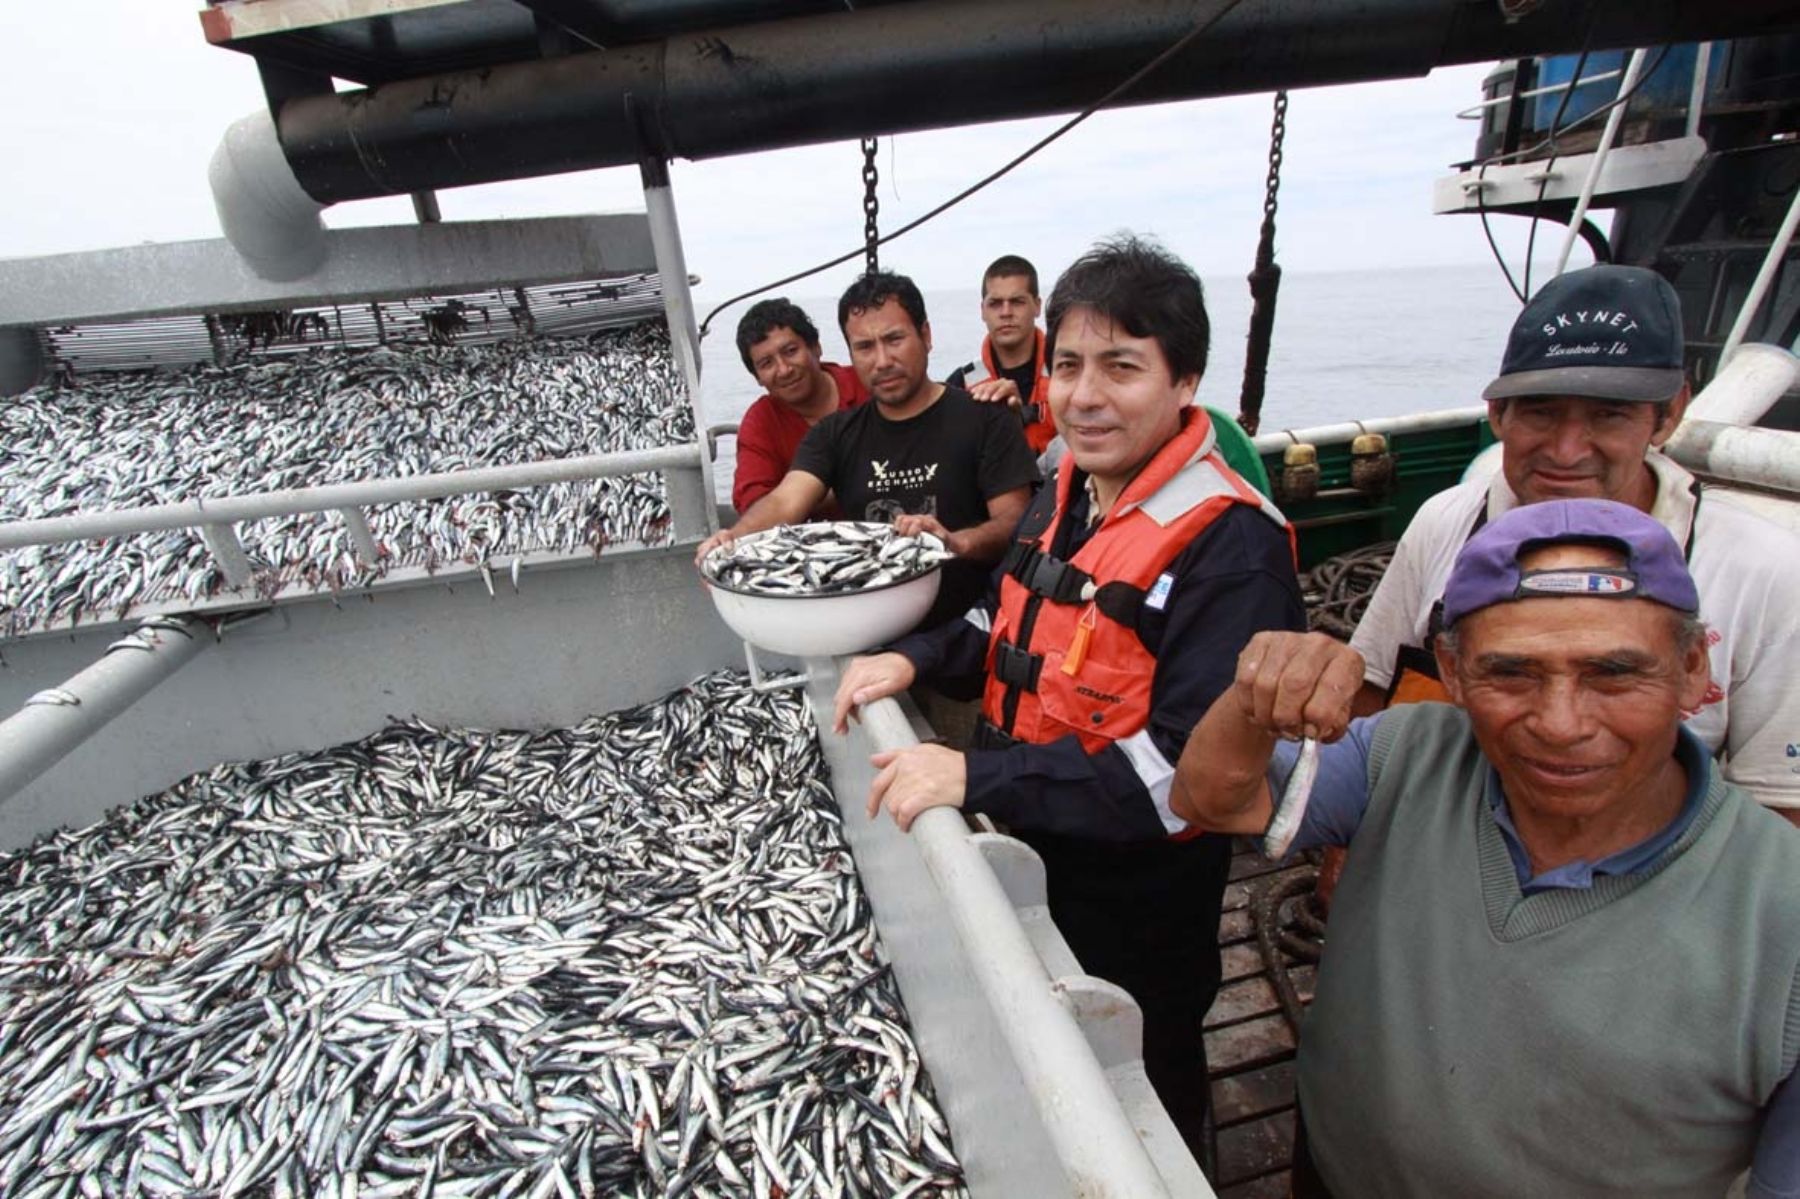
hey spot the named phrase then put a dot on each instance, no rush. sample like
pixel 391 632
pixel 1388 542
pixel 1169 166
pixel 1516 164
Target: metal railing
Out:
pixel 217 519
pixel 1476 112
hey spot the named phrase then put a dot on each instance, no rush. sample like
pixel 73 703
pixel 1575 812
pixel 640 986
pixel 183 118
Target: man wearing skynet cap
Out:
pixel 1590 385
pixel 1563 950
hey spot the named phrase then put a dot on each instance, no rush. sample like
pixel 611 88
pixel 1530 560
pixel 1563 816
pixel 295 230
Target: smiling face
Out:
pixel 1010 312
pixel 1566 447
pixel 890 353
pixel 786 366
pixel 1112 396
pixel 1575 701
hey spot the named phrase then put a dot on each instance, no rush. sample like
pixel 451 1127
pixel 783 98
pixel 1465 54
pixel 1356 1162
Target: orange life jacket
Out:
pixel 1082 668
pixel 1034 409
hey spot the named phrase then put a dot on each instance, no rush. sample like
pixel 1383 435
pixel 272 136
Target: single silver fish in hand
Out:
pixel 1291 809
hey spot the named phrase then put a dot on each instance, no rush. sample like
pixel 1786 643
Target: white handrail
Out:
pixel 1697 95
pixel 1764 277
pixel 227 510
pixel 1099 1148
pixel 1613 120
pixel 1419 422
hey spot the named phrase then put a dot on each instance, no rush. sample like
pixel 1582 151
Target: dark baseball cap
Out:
pixel 1487 571
pixel 1605 333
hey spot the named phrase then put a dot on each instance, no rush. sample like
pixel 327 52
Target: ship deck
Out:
pixel 1249 1044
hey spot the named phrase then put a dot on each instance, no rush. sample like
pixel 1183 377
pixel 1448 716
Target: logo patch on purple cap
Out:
pixel 1595 582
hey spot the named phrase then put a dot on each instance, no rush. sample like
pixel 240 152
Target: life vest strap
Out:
pixel 1062 583
pixel 1046 575
pixel 1016 667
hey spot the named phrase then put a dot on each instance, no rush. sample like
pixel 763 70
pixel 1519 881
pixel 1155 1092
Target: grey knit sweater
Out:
pixel 1469 1040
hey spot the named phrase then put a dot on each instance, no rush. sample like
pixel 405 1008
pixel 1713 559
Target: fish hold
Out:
pixel 140 439
pixel 630 957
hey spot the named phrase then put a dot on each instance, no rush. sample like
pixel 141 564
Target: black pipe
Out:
pixel 920 65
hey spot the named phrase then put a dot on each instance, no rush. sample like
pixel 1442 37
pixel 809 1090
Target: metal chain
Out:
pixel 1277 132
pixel 871 207
pixel 1265 284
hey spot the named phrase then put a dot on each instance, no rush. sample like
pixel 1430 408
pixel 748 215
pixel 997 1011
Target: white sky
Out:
pixel 110 148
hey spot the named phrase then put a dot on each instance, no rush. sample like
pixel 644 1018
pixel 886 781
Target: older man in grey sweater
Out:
pixel 1564 951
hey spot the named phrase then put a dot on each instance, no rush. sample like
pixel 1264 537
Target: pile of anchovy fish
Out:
pixel 630 957
pixel 332 416
pixel 827 558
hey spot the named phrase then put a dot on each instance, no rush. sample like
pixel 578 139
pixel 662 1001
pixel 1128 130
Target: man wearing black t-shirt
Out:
pixel 923 456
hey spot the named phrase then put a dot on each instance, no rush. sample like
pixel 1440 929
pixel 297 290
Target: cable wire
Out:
pixel 1137 77
pixel 1544 183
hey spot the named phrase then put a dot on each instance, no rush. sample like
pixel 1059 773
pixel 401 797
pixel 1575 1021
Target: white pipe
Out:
pixel 1697 96
pixel 1613 120
pixel 85 526
pixel 1764 277
pixel 265 213
pixel 43 732
pixel 1745 387
pixel 1095 1140
pixel 1768 458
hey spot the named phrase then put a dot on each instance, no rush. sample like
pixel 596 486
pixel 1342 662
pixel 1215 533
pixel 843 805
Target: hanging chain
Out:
pixel 1277 133
pixel 1265 284
pixel 871 206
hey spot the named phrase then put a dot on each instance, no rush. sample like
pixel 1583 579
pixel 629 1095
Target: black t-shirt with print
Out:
pixel 947 462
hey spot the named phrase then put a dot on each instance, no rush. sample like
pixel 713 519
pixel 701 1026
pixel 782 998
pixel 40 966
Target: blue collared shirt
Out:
pixel 1341 796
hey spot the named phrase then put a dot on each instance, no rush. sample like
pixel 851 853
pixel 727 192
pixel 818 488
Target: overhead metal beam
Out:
pixel 920 65
pixel 367 264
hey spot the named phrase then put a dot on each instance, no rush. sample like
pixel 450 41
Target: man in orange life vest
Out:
pixel 1011 368
pixel 1132 582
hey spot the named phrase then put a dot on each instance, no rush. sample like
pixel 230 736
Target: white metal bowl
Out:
pixel 807 625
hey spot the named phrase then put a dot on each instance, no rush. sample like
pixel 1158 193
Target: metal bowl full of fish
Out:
pixel 826 588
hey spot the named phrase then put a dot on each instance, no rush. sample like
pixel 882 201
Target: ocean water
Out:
pixel 1348 345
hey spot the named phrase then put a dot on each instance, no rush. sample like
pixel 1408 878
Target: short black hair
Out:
pixel 1010 266
pixel 876 288
pixel 766 316
pixel 1143 289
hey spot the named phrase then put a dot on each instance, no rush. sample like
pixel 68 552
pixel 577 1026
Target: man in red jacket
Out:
pixel 780 346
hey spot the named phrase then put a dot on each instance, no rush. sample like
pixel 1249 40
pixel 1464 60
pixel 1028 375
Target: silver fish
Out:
pixel 1294 797
pixel 826 558
pixel 115 439
pixel 630 957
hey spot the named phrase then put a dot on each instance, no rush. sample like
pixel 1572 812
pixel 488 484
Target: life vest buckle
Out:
pixel 1051 577
pixel 1016 667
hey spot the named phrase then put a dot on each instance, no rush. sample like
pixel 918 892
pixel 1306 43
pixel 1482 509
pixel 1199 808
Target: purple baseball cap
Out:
pixel 1487 570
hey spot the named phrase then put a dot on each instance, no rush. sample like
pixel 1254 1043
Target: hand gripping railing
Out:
pixel 216 519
